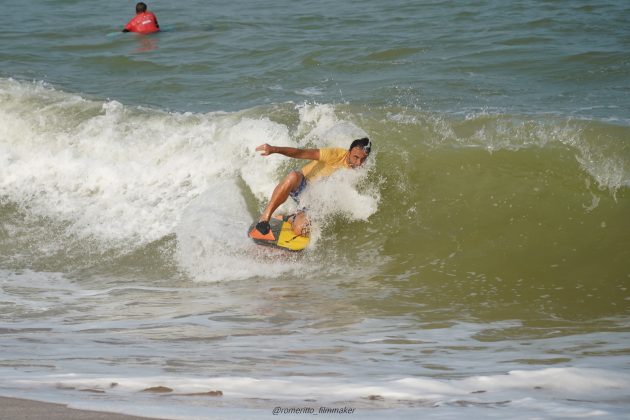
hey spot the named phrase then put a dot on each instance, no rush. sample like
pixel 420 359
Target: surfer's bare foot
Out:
pixel 263 227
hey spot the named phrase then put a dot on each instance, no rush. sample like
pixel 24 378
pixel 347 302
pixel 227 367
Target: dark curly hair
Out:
pixel 363 143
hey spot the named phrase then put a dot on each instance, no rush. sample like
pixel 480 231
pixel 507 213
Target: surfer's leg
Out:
pixel 281 193
pixel 301 224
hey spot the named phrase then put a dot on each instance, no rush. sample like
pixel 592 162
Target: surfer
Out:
pixel 325 161
pixel 144 22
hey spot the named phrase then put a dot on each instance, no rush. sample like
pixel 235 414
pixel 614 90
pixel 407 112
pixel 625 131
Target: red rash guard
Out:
pixel 143 23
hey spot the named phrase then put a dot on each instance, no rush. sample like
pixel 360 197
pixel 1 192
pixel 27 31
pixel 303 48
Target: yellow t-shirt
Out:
pixel 330 159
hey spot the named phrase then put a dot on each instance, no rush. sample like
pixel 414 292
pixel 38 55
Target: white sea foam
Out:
pixel 520 394
pixel 320 125
pixel 340 194
pixel 212 240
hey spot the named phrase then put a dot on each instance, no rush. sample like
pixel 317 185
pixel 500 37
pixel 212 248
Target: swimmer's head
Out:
pixel 141 7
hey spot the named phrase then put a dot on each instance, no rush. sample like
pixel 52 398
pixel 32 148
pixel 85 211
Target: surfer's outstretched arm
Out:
pixel 293 152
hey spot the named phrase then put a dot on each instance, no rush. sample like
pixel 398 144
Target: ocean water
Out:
pixel 478 265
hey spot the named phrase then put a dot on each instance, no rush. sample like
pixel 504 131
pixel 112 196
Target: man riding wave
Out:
pixel 325 161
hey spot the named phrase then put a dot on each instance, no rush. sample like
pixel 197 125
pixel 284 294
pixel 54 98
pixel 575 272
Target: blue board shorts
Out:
pixel 295 194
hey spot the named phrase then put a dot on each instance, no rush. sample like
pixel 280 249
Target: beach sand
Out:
pixel 19 409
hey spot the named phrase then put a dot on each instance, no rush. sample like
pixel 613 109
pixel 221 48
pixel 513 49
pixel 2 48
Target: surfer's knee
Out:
pixel 293 179
pixel 288 184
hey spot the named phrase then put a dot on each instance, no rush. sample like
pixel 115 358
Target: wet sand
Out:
pixel 19 409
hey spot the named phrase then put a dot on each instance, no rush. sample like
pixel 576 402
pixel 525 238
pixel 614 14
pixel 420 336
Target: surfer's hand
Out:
pixel 264 149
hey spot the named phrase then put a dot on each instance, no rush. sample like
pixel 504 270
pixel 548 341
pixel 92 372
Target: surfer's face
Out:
pixel 356 157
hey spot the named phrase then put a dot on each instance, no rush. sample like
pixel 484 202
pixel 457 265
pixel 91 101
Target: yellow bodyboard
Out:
pixel 280 236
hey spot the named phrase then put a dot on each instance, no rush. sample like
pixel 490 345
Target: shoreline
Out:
pixel 25 409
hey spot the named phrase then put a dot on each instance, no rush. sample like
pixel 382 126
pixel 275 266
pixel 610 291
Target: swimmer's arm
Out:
pixel 310 154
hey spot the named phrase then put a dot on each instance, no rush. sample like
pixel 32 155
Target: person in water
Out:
pixel 325 161
pixel 144 22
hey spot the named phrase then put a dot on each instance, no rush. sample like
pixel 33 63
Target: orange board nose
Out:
pixel 255 234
